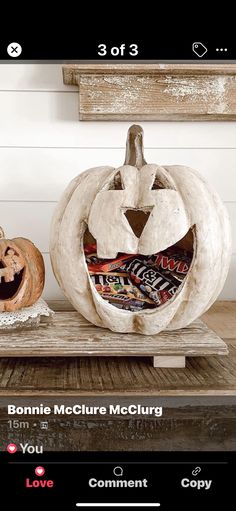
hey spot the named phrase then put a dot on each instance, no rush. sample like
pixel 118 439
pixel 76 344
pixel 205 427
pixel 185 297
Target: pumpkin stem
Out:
pixel 134 147
pixel 2 235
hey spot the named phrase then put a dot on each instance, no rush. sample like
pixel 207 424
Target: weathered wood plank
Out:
pixel 60 305
pixel 211 376
pixel 154 91
pixel 71 72
pixel 72 335
pixel 221 317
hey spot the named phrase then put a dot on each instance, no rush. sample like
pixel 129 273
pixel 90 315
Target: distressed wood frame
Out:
pixel 161 92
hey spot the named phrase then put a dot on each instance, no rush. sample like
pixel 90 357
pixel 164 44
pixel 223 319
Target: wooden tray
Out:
pixel 69 335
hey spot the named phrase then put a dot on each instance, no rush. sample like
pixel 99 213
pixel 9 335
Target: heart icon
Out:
pixel 40 471
pixel 11 448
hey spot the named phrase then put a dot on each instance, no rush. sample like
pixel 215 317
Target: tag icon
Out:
pixel 199 49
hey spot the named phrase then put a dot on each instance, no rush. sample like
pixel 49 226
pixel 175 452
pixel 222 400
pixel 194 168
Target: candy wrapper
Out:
pixel 156 285
pixel 108 265
pixel 171 262
pixel 119 290
pixel 135 282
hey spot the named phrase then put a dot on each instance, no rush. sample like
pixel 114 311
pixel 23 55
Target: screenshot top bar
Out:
pixel 135 49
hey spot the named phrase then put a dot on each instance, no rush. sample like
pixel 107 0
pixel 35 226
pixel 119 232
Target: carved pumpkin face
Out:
pixel 141 209
pixel 137 212
pixel 21 273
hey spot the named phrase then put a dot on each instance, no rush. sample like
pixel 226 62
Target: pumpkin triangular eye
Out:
pixel 157 184
pixel 116 183
pixel 10 251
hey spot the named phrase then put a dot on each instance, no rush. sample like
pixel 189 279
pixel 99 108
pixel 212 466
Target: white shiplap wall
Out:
pixel 43 146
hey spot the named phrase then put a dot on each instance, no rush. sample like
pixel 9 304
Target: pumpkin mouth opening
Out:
pixel 136 282
pixel 9 288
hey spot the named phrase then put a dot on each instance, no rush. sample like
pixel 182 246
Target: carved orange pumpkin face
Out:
pixel 12 266
pixel 21 273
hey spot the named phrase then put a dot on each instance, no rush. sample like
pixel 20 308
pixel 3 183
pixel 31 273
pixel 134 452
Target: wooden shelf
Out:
pixel 154 91
pixel 126 376
pixel 70 335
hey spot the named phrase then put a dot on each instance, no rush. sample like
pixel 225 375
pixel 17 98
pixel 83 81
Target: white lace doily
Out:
pixel 26 316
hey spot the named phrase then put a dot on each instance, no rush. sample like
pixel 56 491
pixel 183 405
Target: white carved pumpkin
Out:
pixel 106 202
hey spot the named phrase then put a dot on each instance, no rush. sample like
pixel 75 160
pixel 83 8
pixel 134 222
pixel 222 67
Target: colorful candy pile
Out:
pixel 135 282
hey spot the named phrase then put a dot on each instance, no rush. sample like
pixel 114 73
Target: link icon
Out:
pixel 196 471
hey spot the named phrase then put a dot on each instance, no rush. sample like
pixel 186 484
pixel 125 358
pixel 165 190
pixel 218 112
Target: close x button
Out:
pixel 14 50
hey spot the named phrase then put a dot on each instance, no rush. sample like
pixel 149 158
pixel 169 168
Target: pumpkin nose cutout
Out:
pixel 137 219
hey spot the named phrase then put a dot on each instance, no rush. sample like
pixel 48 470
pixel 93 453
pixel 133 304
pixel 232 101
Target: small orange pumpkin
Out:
pixel 22 273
